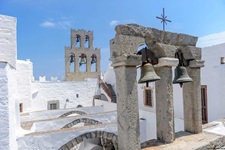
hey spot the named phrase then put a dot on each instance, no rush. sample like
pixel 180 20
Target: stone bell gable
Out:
pixel 164 45
pixel 81 59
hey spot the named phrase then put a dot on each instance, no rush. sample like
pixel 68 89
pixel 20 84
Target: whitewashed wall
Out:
pixel 42 92
pixel 9 123
pixel 24 80
pixel 109 77
pixel 213 75
pixel 8 47
pixel 108 106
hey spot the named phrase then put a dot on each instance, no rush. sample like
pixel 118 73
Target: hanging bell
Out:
pixel 86 38
pixel 148 74
pixel 93 60
pixel 181 75
pixel 82 61
pixel 77 40
pixel 71 59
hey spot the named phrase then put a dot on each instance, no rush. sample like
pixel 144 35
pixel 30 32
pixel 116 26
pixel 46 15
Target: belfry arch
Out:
pixel 164 45
pixel 72 112
pixel 91 135
pixel 82 120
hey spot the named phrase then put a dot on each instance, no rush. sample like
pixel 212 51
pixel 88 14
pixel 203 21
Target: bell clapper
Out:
pixel 181 84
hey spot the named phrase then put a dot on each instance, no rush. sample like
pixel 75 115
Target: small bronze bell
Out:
pixel 148 74
pixel 71 58
pixel 82 61
pixel 93 59
pixel 181 75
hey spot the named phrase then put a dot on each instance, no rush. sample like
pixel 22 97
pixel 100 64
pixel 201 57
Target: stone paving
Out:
pixel 188 141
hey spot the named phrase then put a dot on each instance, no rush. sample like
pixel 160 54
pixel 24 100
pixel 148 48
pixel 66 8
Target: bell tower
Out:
pixel 81 59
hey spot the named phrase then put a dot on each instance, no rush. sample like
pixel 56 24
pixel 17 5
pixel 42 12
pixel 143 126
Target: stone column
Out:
pixel 67 64
pixel 98 64
pixel 164 100
pixel 76 61
pixel 192 99
pixel 88 64
pixel 127 102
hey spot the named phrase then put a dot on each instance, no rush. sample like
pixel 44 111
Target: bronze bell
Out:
pixel 148 74
pixel 82 61
pixel 181 75
pixel 71 59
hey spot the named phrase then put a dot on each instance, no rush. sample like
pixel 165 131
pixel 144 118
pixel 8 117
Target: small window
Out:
pixel 21 107
pixel 77 95
pixel 53 105
pixel 148 96
pixel 204 104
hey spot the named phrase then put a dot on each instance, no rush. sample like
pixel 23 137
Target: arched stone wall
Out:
pixel 81 120
pixel 91 135
pixel 72 112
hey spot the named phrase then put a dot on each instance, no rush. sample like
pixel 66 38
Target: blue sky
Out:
pixel 43 26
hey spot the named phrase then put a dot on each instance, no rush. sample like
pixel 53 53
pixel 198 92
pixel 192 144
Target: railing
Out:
pixel 109 91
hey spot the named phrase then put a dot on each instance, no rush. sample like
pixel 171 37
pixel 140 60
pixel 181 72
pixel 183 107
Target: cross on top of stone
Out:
pixel 164 20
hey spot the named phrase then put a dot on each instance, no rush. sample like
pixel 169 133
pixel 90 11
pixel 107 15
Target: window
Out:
pixel 53 105
pixel 77 95
pixel 148 96
pixel 204 104
pixel 21 107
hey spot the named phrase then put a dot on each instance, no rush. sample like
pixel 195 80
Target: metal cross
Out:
pixel 164 20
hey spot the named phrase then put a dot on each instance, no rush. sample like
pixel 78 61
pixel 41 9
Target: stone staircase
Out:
pixel 108 89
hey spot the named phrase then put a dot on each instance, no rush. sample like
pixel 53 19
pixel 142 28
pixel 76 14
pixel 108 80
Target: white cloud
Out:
pixel 212 39
pixel 63 23
pixel 113 22
pixel 47 24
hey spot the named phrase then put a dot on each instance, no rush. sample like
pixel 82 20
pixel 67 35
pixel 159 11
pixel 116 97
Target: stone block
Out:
pixel 65 148
pixel 105 135
pixel 191 52
pixel 93 135
pixel 162 50
pixel 186 40
pixel 166 61
pixel 70 145
pixel 196 63
pixel 79 139
pixel 126 60
pixel 74 142
pixel 127 45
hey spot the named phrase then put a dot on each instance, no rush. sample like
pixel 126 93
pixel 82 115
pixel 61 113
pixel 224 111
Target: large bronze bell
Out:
pixel 148 74
pixel 181 75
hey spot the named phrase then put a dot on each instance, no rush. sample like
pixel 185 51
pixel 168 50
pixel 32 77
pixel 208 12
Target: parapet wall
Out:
pixel 8 47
